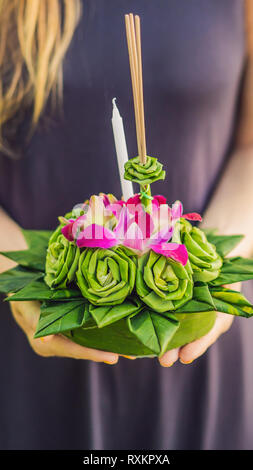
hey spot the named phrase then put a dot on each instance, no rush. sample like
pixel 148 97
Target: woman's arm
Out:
pixel 230 211
pixel 27 314
pixel 11 238
pixel 231 208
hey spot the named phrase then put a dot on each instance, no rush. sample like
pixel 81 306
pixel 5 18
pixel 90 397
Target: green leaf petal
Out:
pixel 165 330
pixel 202 293
pixel 28 258
pixel 202 301
pixel 17 278
pixel 153 330
pixel 38 290
pixel 232 302
pixel 119 339
pixel 61 261
pixel 37 238
pixel 105 315
pixel 114 338
pixel 203 256
pixel 35 256
pixel 58 317
pixel 141 325
pixel 144 174
pixel 162 283
pixel 106 277
pixel 194 306
pixel 224 243
pixel 234 270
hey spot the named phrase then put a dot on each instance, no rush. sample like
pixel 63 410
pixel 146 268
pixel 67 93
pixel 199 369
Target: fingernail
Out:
pixel 130 357
pixel 167 365
pixel 113 361
pixel 186 362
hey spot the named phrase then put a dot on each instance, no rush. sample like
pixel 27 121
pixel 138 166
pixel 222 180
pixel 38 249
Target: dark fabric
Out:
pixel 193 60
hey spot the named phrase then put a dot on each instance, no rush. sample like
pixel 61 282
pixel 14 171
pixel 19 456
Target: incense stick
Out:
pixel 141 99
pixel 134 82
pixel 135 60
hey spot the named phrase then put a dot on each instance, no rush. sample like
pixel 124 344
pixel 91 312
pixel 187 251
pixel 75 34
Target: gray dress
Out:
pixel 193 59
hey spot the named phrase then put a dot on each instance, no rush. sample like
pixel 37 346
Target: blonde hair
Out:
pixel 34 37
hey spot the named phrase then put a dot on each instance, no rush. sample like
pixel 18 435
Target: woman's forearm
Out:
pixel 231 207
pixel 11 238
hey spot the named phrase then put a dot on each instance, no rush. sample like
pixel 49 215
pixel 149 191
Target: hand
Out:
pixel 27 314
pixel 192 351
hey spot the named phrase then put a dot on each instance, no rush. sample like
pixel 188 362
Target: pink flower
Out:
pixel 138 229
pixel 96 236
pixel 108 222
pixel 67 231
pixel 86 227
pixel 172 250
pixel 194 216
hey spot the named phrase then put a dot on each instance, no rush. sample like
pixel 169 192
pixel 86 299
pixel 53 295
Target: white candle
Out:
pixel 121 150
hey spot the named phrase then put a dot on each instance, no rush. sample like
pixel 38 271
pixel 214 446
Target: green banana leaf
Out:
pixel 37 238
pixel 131 328
pixel 224 243
pixel 192 327
pixel 105 315
pixel 38 290
pixel 17 278
pixel 144 174
pixel 58 317
pixel 35 256
pixel 231 302
pixel 234 270
pixel 153 330
pixel 141 333
pixel 115 338
pixel 209 232
pixel 27 259
pixel 149 334
pixel 53 314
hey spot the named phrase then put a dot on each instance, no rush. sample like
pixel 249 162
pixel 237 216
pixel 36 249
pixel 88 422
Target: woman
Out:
pixel 197 60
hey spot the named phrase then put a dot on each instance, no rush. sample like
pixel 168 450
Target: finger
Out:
pixel 20 320
pixel 57 345
pixel 46 339
pixel 26 314
pixel 169 358
pixel 128 357
pixel 235 286
pixel 192 351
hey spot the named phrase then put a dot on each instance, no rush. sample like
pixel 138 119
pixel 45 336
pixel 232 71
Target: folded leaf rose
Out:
pixel 106 276
pixel 144 174
pixel 61 261
pixel 163 283
pixel 204 259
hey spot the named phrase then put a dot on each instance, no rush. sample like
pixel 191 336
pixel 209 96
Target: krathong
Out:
pixel 135 276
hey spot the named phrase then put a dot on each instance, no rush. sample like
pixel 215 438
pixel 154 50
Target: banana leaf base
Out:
pixel 118 338
pixel 130 328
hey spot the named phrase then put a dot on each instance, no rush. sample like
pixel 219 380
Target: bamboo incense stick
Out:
pixel 141 99
pixel 134 50
pixel 134 81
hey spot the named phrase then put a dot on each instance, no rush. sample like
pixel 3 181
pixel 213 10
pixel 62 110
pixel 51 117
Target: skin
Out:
pixel 229 211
